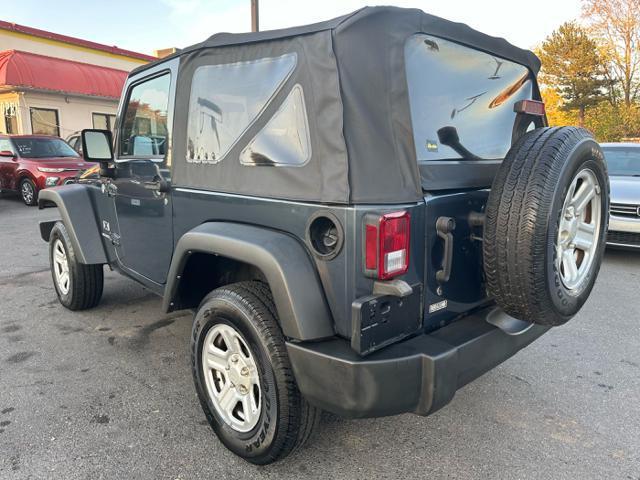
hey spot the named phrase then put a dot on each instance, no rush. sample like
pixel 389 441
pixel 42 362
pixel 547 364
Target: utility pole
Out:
pixel 255 19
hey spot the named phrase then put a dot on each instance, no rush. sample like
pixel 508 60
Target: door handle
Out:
pixel 445 227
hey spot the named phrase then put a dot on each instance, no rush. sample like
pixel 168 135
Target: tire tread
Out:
pixel 297 416
pixel 518 214
pixel 87 280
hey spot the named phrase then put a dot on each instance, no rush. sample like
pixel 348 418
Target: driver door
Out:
pixel 142 192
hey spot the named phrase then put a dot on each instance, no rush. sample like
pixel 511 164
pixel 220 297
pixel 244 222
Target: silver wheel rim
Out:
pixel 579 233
pixel 231 377
pixel 27 192
pixel 61 267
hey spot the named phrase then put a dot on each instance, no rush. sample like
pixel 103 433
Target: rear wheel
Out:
pixel 243 377
pixel 78 286
pixel 28 192
pixel 546 221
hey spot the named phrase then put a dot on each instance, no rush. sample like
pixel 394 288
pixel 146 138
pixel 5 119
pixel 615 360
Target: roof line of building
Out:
pixel 36 32
pixel 5 53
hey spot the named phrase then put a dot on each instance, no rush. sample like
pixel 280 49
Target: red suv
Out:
pixel 30 163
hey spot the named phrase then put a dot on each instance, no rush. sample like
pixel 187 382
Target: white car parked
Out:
pixel 623 161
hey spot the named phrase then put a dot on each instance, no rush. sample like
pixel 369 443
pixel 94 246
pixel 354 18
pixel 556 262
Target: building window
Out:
pixel 8 110
pixel 103 121
pixel 10 123
pixel 143 130
pixel 44 121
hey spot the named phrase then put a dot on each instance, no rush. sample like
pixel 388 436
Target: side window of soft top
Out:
pixel 144 129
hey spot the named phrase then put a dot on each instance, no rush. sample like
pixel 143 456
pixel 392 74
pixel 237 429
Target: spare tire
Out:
pixel 545 226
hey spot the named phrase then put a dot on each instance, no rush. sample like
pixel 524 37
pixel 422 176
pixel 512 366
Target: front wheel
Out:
pixel 78 286
pixel 243 376
pixel 28 192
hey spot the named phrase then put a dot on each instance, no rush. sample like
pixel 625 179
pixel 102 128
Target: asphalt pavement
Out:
pixel 108 394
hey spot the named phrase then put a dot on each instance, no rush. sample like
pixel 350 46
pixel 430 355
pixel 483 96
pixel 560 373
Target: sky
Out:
pixel 146 25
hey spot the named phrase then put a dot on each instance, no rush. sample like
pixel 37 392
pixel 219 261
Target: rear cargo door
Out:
pixel 462 103
pixel 458 286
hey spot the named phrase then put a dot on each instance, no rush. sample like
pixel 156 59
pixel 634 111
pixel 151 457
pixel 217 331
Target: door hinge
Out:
pixel 115 239
pixel 109 189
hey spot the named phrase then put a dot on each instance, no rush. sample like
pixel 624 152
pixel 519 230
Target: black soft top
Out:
pixel 424 22
pixel 353 74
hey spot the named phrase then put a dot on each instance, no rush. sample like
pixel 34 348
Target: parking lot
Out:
pixel 108 393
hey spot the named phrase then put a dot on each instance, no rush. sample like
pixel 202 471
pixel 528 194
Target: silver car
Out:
pixel 623 161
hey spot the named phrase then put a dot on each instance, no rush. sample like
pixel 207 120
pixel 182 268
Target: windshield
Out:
pixel 624 161
pixel 43 148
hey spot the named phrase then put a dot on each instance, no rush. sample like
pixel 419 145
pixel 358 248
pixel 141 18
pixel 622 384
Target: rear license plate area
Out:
pixel 380 320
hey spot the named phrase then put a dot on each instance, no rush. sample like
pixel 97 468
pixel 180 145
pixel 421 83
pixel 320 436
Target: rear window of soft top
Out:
pixel 458 92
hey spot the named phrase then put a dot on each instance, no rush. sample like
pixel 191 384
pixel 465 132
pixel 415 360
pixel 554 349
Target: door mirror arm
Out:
pixel 107 171
pixel 159 185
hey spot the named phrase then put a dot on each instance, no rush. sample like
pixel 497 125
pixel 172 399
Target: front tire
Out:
pixel 243 376
pixel 78 286
pixel 28 192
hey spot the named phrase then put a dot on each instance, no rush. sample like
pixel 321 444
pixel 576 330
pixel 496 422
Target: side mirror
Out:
pixel 7 153
pixel 97 147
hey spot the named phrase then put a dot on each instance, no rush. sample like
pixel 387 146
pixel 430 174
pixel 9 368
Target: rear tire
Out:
pixel 542 246
pixel 243 314
pixel 78 286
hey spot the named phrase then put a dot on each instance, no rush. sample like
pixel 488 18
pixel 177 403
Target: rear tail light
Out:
pixel 387 245
pixel 530 107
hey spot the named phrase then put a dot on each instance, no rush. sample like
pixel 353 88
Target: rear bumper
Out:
pixel 624 224
pixel 418 375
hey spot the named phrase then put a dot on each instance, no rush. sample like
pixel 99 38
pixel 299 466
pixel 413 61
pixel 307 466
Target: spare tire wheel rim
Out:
pixel 579 232
pixel 61 267
pixel 231 377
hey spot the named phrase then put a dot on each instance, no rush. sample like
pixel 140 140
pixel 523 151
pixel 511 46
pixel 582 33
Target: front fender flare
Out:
pixel 297 292
pixel 76 209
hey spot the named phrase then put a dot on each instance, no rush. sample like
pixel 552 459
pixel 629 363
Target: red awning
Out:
pixel 30 70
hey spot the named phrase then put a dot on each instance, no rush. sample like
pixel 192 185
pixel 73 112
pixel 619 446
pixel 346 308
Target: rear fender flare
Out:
pixel 297 291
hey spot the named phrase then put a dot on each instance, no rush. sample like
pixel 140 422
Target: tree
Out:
pixel 571 64
pixel 608 122
pixel 617 24
pixel 613 123
pixel 557 115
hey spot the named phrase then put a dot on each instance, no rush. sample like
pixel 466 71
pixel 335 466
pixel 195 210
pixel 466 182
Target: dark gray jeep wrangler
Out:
pixel 365 214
